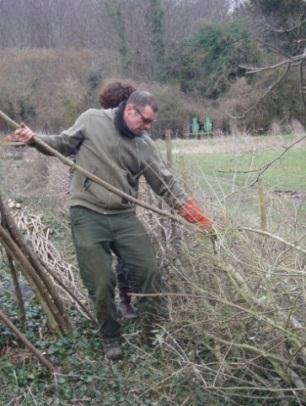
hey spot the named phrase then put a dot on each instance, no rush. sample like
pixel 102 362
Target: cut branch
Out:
pixel 26 342
pixel 33 269
pixel 18 293
pixel 54 317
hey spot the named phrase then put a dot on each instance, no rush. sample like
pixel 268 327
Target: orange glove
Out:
pixel 191 212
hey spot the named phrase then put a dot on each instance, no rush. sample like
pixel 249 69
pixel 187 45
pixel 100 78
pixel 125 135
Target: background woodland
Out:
pixel 193 54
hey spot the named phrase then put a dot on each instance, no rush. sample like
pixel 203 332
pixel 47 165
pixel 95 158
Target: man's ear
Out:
pixel 129 107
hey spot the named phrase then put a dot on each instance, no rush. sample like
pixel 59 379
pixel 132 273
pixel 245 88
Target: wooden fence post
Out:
pixel 169 147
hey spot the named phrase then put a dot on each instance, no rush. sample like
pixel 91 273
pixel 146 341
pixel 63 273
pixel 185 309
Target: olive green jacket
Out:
pixel 120 161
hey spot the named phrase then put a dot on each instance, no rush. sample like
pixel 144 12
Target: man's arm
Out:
pixel 67 143
pixel 22 134
pixel 164 183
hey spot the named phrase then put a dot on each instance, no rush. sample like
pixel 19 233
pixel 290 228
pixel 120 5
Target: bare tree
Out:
pixel 280 29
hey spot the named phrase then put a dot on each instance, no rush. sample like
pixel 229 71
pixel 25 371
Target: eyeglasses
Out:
pixel 145 120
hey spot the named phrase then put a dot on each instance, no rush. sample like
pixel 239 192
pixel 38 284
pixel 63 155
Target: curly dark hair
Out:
pixel 114 91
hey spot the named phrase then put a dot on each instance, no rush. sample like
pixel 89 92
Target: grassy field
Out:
pixel 222 173
pixel 287 172
pixel 241 159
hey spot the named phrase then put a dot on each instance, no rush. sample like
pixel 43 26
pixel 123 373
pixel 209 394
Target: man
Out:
pixel 114 144
pixel 112 92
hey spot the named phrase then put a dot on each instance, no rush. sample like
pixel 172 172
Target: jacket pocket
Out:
pixel 104 197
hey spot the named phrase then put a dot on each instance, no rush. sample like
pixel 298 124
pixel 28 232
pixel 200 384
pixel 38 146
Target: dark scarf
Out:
pixel 120 124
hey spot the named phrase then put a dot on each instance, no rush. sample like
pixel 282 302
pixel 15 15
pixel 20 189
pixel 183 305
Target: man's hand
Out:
pixel 193 214
pixel 22 134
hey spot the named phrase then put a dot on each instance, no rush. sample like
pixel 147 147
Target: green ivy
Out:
pixel 209 62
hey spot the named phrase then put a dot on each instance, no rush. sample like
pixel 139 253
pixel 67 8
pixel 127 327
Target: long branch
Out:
pixel 16 253
pixel 71 294
pixel 36 264
pixel 13 271
pixel 26 342
pixel 293 60
pixel 275 237
pixel 18 293
pixel 287 30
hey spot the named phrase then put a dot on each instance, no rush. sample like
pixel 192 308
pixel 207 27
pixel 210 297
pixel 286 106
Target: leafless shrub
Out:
pixel 236 324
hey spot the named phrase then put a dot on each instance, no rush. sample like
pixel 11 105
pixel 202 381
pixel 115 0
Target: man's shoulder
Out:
pixel 109 113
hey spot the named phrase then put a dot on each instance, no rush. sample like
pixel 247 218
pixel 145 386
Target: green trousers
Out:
pixel 95 236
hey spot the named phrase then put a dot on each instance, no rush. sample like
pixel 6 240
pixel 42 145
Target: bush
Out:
pixel 283 104
pixel 173 111
pixel 208 63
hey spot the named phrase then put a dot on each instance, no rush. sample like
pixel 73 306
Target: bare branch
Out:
pixel 265 167
pixel 265 94
pixel 287 30
pixel 275 237
pixel 269 164
pixel 273 48
pixel 18 293
pixel 293 60
pixel 26 342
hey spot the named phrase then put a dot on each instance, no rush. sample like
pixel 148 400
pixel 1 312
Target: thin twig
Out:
pixel 275 237
pixel 293 60
pixel 265 167
pixel 273 48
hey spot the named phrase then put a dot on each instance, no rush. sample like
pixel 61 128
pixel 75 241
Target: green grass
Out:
pixel 219 177
pixel 286 173
pixel 223 159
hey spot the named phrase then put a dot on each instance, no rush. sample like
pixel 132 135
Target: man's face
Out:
pixel 138 119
